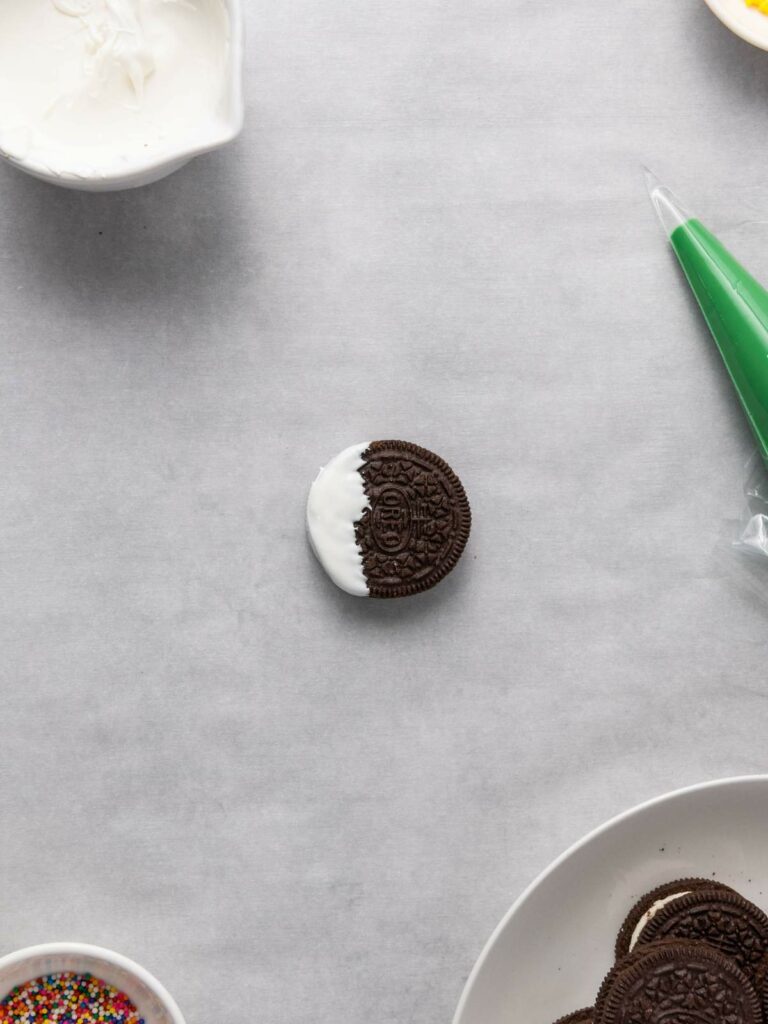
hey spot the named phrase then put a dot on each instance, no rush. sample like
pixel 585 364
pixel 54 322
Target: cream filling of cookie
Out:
pixel 337 500
pixel 649 915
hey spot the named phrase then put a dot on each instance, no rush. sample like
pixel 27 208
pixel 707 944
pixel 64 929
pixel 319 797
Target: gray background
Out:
pixel 291 805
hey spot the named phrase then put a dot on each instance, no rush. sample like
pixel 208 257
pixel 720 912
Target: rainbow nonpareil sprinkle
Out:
pixel 67 999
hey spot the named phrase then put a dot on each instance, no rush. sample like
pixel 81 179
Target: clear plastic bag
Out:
pixel 753 539
pixel 742 554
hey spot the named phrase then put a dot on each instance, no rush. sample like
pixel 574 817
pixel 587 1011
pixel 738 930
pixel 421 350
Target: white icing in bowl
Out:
pixel 102 94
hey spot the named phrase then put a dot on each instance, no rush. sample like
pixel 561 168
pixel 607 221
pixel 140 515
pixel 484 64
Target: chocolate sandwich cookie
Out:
pixel 387 519
pixel 677 983
pixel 579 1017
pixel 724 920
pixel 649 905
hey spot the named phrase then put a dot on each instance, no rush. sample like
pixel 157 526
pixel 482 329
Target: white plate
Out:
pixel 552 950
pixel 746 22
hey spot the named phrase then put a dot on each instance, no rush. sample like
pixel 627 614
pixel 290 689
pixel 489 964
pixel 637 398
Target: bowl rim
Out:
pixel 221 133
pixel 755 38
pixel 99 953
pixel 606 826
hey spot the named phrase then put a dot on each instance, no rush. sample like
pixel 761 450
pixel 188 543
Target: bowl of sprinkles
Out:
pixel 71 983
pixel 747 18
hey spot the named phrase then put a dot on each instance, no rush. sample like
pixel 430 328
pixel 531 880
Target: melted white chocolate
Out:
pixel 96 86
pixel 337 500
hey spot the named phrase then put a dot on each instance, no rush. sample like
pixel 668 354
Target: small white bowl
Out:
pixel 552 950
pixel 144 171
pixel 747 22
pixel 149 997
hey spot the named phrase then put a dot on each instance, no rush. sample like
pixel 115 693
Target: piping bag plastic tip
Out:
pixel 670 211
pixel 734 305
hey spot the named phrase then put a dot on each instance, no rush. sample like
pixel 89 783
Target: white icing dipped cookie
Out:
pixel 387 519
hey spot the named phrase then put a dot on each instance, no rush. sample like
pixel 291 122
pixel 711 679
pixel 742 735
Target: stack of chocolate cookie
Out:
pixel 692 951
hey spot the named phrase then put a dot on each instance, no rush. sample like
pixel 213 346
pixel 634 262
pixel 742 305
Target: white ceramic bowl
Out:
pixel 746 22
pixel 147 170
pixel 552 950
pixel 149 997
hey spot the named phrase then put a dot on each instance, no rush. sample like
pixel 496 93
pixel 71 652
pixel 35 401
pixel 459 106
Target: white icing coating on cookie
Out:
pixel 649 915
pixel 337 500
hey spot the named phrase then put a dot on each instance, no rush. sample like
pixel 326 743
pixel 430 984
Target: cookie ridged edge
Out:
pixel 728 896
pixel 670 949
pixel 623 939
pixel 461 536
pixel 584 1016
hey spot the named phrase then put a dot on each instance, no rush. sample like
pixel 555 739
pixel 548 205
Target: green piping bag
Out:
pixel 734 305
